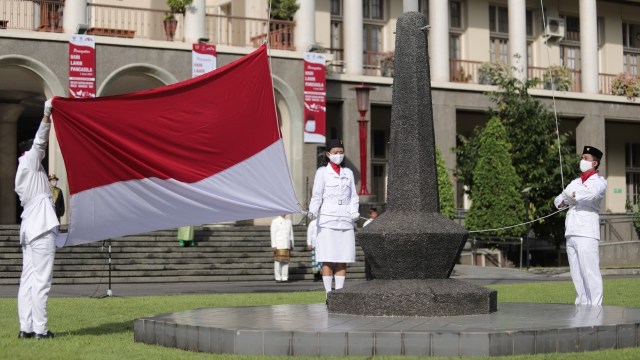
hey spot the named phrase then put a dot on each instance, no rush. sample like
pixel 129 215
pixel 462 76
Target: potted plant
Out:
pixel 626 85
pixel 170 22
pixel 490 71
pixel 557 77
pixel 387 64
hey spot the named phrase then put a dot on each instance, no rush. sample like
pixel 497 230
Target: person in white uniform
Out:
pixel 38 231
pixel 582 227
pixel 281 244
pixel 334 202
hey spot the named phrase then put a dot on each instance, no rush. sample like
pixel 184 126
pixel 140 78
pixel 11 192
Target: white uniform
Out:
pixel 281 239
pixel 335 202
pixel 312 236
pixel 582 230
pixel 38 230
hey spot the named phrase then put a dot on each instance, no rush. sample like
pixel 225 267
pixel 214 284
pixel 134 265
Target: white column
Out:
pixel 589 46
pixel 353 46
pixel 75 12
pixel 194 22
pixel 439 40
pixel 9 114
pixel 518 38
pixel 409 5
pixel 305 30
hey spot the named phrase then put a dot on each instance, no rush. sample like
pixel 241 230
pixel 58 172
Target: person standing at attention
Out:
pixel 56 195
pixel 281 244
pixel 38 231
pixel 373 214
pixel 334 202
pixel 582 227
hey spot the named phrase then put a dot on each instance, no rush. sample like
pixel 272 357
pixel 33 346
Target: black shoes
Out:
pixel 26 335
pixel 47 335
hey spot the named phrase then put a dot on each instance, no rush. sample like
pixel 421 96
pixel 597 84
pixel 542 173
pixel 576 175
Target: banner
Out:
pixel 203 59
pixel 315 95
pixel 82 66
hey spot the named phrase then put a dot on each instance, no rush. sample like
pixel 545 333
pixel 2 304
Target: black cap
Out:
pixel 593 151
pixel 334 143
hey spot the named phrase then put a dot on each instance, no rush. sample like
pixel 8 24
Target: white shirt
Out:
pixel 584 218
pixel 334 199
pixel 32 186
pixel 281 233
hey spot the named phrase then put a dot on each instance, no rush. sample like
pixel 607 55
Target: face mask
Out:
pixel 53 183
pixel 585 165
pixel 336 158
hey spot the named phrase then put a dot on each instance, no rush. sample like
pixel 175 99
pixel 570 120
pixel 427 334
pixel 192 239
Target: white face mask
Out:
pixel 585 165
pixel 53 183
pixel 336 158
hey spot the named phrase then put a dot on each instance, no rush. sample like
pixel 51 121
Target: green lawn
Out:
pixel 103 329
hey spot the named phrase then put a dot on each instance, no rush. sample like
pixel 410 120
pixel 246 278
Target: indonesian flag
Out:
pixel 204 150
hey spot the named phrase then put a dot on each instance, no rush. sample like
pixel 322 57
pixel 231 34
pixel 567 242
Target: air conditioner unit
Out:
pixel 555 27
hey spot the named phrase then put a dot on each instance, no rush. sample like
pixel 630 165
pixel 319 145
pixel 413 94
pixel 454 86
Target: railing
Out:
pixel 605 81
pixel 378 63
pixel 31 15
pixel 464 71
pixel 123 21
pixel 337 64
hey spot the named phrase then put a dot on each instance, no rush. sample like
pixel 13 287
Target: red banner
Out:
pixel 203 59
pixel 315 95
pixel 82 66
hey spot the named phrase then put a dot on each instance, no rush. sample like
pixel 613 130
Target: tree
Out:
pixel 531 129
pixel 445 187
pixel 497 201
pixel 283 9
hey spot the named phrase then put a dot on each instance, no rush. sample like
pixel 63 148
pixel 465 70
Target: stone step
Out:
pixel 228 253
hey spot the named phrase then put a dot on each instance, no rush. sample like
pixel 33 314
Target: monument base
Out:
pixel 414 297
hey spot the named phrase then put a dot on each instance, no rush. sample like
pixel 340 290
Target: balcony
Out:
pixel 144 23
pixel 464 71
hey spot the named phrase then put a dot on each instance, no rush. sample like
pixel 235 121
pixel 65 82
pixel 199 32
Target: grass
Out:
pixel 103 329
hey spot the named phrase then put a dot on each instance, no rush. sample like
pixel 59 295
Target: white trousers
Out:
pixel 584 263
pixel 281 270
pixel 35 283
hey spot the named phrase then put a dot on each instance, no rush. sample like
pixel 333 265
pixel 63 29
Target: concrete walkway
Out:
pixel 477 274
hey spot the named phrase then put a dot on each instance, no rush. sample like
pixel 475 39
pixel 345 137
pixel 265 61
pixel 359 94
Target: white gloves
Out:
pixel 48 107
pixel 355 216
pixel 568 199
pixel 312 216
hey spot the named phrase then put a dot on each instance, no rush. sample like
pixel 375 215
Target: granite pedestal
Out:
pixel 298 330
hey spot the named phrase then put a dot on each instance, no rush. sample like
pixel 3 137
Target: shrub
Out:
pixel 626 85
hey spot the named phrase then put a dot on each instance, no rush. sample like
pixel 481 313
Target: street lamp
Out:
pixel 362 99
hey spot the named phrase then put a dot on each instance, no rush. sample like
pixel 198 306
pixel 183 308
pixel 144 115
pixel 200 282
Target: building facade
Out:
pixel 592 41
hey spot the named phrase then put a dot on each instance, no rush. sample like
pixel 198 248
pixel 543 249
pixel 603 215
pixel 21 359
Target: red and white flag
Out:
pixel 204 150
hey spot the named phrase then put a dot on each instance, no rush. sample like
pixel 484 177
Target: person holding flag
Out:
pixel 38 231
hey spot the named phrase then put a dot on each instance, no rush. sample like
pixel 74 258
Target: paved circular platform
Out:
pixel 516 328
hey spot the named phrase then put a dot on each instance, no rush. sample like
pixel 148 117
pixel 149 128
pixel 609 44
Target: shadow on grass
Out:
pixel 102 329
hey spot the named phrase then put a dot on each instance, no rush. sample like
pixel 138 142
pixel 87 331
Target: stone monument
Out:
pixel 411 249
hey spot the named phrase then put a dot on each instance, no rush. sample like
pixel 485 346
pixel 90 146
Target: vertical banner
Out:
pixel 203 59
pixel 315 95
pixel 82 66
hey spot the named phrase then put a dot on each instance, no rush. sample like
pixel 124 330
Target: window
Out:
pixel 570 57
pixel 631 63
pixel 499 49
pixel 372 38
pixel 529 16
pixel 454 47
pixel 572 26
pixel 631 36
pixel 498 19
pixel 455 14
pixel 336 7
pixel 423 7
pixel 632 165
pixel 373 9
pixel 336 40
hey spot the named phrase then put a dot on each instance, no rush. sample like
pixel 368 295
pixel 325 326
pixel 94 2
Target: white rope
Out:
pixel 524 223
pixel 553 91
